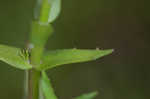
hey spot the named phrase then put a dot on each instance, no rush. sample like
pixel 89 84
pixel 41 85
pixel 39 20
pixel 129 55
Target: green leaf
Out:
pixel 50 10
pixel 46 87
pixel 55 10
pixel 52 59
pixel 15 57
pixel 91 95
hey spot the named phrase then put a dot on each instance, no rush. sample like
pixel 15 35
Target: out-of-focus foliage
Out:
pixel 119 24
pixel 91 95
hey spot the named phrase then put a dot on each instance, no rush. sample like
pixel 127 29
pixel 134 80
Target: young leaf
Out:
pixel 50 10
pixel 91 95
pixel 46 87
pixel 52 59
pixel 55 10
pixel 14 57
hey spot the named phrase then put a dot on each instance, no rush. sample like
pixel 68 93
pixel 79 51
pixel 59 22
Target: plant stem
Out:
pixel 26 85
pixel 34 77
pixel 38 37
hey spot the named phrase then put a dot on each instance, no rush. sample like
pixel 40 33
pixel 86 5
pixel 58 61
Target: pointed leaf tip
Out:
pixel 101 53
pixel 56 58
pixel 91 95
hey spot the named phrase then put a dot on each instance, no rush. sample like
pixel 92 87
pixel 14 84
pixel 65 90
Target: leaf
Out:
pixel 54 10
pixel 49 10
pixel 46 87
pixel 52 59
pixel 91 95
pixel 14 56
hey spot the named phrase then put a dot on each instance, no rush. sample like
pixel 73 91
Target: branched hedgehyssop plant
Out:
pixel 35 60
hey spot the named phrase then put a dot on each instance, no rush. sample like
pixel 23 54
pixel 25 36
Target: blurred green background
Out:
pixel 120 24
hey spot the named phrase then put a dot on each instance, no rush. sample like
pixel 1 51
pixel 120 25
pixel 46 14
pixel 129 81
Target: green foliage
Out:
pixel 47 87
pixel 91 95
pixel 60 57
pixel 15 57
pixel 55 10
pixel 41 30
pixel 50 10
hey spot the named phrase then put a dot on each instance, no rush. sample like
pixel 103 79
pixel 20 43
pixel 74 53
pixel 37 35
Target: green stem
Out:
pixel 34 77
pixel 26 85
pixel 38 37
pixel 44 13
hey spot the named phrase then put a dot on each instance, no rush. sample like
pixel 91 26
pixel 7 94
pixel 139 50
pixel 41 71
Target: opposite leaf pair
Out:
pixel 46 12
pixel 17 58
pixel 20 59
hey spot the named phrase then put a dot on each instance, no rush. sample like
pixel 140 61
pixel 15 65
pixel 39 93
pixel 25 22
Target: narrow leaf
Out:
pixel 15 57
pixel 91 95
pixel 52 59
pixel 54 10
pixel 47 87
